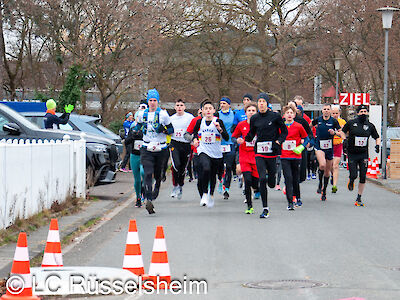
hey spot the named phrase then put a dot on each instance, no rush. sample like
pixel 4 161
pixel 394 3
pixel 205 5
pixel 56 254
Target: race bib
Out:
pixel 251 144
pixel 264 147
pixel 226 148
pixel 137 144
pixel 179 133
pixel 154 147
pixel 289 145
pixel 325 144
pixel 208 137
pixel 361 141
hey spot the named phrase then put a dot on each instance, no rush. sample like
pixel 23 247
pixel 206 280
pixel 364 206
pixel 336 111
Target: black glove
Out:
pixel 377 148
pixel 345 145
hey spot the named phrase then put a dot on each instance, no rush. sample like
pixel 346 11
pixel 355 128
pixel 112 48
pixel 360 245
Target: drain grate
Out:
pixel 287 284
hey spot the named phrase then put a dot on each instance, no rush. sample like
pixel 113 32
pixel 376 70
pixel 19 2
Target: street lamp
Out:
pixel 337 61
pixel 387 16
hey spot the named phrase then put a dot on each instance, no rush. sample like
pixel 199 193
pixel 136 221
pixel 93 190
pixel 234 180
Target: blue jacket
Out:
pixel 127 125
pixel 228 119
pixel 240 115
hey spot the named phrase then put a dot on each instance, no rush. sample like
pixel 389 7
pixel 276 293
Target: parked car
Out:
pixel 76 122
pixel 101 152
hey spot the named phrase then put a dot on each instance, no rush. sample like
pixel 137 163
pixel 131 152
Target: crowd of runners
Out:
pixel 254 144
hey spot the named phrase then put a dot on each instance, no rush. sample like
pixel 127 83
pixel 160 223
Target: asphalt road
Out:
pixel 349 250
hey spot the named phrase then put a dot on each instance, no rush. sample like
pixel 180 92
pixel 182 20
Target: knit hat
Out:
pixel 153 94
pixel 51 104
pixel 128 114
pixel 263 96
pixel 247 95
pixel 362 107
pixel 226 99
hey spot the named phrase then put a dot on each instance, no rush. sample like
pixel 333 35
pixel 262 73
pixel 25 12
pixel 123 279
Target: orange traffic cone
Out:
pixel 373 170
pixel 19 285
pixel 369 168
pixel 159 261
pixel 378 171
pixel 52 253
pixel 133 256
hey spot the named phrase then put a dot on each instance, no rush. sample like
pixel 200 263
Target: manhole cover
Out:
pixel 394 268
pixel 284 284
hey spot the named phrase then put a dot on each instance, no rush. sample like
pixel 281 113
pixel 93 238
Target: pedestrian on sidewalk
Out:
pixel 51 120
pixel 127 126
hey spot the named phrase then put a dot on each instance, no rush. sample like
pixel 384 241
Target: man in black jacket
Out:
pixel 271 132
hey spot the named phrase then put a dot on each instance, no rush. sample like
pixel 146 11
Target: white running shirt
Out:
pixel 180 124
pixel 151 135
pixel 210 139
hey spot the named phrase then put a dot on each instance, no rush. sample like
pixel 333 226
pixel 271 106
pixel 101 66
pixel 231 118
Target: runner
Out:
pixel 134 142
pixel 337 148
pixel 326 127
pixel 155 124
pixel 179 148
pixel 247 160
pixel 271 132
pixel 291 156
pixel 208 132
pixel 359 130
pixel 227 116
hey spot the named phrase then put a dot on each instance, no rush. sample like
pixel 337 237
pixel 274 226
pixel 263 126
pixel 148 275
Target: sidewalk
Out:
pixel 392 185
pixel 109 196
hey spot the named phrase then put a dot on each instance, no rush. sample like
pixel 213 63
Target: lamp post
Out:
pixel 387 17
pixel 337 61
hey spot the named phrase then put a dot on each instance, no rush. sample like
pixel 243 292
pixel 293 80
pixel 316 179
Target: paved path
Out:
pixel 349 249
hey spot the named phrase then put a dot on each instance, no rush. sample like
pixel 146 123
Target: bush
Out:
pixel 116 126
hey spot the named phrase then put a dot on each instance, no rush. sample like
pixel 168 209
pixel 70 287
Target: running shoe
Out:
pixel 309 177
pixel 226 194
pixel 299 202
pixel 124 170
pixel 179 193
pixel 150 207
pixel 319 189
pixel 334 189
pixel 210 201
pixel 156 192
pixel 249 211
pixel 220 187
pixel 323 197
pixel 290 207
pixel 204 200
pixel 190 179
pixel 358 203
pixel 350 185
pixel 235 177
pixel 174 192
pixel 277 187
pixel 257 195
pixel 245 201
pixel 240 182
pixel 138 203
pixel 265 214
pixel 314 176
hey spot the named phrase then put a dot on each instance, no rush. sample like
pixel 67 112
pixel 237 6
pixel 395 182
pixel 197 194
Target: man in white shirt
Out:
pixel 179 148
pixel 155 125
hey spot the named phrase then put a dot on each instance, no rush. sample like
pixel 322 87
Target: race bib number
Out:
pixel 325 144
pixel 289 145
pixel 251 144
pixel 154 147
pixel 179 133
pixel 361 141
pixel 208 137
pixel 264 147
pixel 226 148
pixel 137 144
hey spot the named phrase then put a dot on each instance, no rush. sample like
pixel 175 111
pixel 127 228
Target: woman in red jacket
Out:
pixel 247 159
pixel 291 155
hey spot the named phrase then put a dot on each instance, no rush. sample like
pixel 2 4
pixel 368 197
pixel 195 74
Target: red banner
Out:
pixel 354 99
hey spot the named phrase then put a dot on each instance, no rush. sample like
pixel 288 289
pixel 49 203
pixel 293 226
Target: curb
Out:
pixel 377 182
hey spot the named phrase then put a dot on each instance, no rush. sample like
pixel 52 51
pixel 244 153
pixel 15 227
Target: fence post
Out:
pixel 80 167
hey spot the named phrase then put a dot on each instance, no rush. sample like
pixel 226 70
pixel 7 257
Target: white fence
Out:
pixel 35 174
